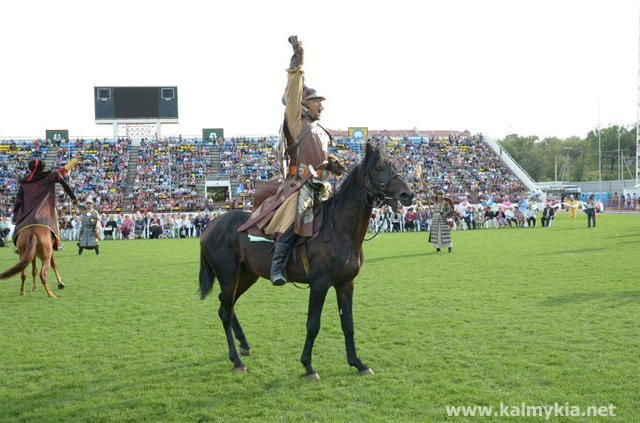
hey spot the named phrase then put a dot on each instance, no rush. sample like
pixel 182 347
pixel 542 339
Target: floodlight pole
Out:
pixel 638 119
pixel 170 179
pixel 619 157
pixel 599 162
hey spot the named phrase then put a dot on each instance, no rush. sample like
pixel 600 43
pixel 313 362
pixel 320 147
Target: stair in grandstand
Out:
pixel 214 153
pixel 50 158
pixel 213 157
pixel 131 169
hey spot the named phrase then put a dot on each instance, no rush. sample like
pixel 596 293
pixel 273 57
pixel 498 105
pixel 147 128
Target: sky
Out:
pixel 545 68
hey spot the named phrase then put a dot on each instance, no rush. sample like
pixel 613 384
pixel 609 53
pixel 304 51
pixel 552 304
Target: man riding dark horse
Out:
pixel 289 214
pixel 35 203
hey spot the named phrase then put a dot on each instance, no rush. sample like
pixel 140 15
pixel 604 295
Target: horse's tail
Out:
pixel 26 258
pixel 207 275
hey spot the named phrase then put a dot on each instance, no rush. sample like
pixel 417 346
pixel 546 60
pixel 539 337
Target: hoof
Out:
pixel 245 351
pixel 366 372
pixel 313 376
pixel 239 369
pixel 60 285
pixel 52 296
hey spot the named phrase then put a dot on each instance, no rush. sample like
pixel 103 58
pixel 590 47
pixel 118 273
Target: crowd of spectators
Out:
pixel 169 170
pixel 462 166
pixel 528 212
pixel 624 201
pixel 167 173
pixel 100 174
pixel 14 161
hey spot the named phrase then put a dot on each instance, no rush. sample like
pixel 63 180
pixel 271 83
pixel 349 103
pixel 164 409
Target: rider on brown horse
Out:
pixel 35 204
pixel 288 214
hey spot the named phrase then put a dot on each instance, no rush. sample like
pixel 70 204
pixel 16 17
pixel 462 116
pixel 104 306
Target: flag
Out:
pixel 240 188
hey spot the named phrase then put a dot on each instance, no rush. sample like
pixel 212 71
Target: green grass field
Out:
pixel 538 315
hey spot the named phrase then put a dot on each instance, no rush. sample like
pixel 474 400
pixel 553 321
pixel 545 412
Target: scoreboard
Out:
pixel 131 103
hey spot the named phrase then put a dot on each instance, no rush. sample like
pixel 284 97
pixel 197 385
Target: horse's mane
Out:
pixel 347 185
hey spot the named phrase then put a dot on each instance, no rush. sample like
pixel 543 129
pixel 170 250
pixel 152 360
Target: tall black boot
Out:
pixel 79 251
pixel 97 251
pixel 279 263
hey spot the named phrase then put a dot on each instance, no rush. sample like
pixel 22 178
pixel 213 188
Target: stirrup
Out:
pixel 279 281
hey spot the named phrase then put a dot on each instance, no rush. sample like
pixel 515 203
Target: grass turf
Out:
pixel 537 315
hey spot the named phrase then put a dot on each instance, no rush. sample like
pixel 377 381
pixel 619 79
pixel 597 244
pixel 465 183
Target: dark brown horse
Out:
pixel 334 256
pixel 35 242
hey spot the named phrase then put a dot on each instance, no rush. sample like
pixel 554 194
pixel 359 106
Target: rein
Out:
pixel 378 197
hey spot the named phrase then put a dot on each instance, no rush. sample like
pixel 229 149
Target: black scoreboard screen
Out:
pixel 136 103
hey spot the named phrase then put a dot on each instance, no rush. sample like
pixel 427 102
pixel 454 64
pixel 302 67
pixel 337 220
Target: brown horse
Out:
pixel 35 242
pixel 334 256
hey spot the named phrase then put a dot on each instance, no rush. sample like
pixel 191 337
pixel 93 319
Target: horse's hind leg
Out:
pixel 34 274
pixel 54 266
pixel 43 275
pixel 23 277
pixel 245 279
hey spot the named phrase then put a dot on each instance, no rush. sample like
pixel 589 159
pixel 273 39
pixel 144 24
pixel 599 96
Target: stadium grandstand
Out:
pixel 169 174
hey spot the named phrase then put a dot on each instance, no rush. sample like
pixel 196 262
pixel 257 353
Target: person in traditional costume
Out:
pixel 89 229
pixel 572 205
pixel 289 214
pixel 35 203
pixel 439 231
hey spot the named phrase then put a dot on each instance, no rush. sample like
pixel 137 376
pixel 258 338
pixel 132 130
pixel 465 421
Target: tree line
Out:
pixel 575 159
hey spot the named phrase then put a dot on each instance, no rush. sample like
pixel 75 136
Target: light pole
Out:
pixel 599 162
pixel 619 156
pixel 170 178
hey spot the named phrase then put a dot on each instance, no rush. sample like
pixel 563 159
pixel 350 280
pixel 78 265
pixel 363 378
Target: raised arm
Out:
pixel 60 178
pixel 293 91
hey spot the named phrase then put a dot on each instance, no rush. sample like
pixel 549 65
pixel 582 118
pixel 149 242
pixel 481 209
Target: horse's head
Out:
pixel 383 182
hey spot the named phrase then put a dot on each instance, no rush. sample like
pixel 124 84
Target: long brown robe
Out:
pixel 277 212
pixel 35 203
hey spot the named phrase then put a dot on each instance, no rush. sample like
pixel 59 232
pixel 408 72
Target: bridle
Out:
pixel 375 193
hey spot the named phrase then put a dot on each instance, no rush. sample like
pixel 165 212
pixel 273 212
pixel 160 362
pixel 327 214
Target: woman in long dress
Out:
pixel 439 231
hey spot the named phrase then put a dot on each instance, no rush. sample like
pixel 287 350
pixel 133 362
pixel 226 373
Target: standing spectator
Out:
pixel 591 211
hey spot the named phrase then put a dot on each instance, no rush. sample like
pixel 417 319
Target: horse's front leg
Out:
pixel 317 294
pixel 344 293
